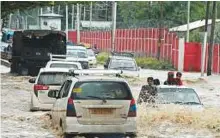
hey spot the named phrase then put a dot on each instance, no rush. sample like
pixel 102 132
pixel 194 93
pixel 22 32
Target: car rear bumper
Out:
pixel 73 127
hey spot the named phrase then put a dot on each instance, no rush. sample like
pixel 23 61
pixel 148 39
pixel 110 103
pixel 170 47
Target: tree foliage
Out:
pixel 8 7
pixel 175 11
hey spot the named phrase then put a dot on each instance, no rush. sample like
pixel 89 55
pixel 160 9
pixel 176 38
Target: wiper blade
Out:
pixel 191 103
pixel 178 102
pixel 96 97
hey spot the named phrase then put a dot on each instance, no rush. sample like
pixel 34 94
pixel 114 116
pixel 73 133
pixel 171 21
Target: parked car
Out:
pixel 63 64
pixel 92 58
pixel 94 104
pixel 48 79
pixel 180 95
pixel 127 64
pixel 79 54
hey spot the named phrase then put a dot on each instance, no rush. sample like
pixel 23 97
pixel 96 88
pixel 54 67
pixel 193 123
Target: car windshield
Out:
pixel 123 64
pixel 63 65
pixel 77 53
pixel 90 53
pixel 101 90
pixel 52 78
pixel 177 96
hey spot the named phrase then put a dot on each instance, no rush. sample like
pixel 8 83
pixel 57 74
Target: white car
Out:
pixel 48 79
pixel 79 54
pixel 92 58
pixel 127 64
pixel 94 105
pixel 63 64
pixel 179 95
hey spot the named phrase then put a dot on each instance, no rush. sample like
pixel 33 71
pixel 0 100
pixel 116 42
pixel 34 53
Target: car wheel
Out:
pixel 132 135
pixel 68 135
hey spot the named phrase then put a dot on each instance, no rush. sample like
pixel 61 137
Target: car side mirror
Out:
pixel 32 80
pixel 105 66
pixel 53 94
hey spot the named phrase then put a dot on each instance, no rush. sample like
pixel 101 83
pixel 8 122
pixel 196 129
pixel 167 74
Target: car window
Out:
pixel 173 95
pixel 52 78
pixel 77 53
pixel 62 89
pixel 90 53
pixel 62 65
pixel 101 89
pixel 123 64
pixel 66 88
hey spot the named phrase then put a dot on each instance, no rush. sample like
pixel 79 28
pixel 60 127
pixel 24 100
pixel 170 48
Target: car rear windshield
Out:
pixel 60 65
pixel 123 64
pixel 177 95
pixel 94 90
pixel 52 78
pixel 77 54
pixel 91 53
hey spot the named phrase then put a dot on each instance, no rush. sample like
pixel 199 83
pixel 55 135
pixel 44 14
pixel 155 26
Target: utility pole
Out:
pixel 59 9
pixel 114 10
pixel 188 16
pixel 160 31
pixel 78 24
pixel 67 22
pixel 90 16
pixel 210 52
pixel 73 16
pixel 84 12
pixel 205 39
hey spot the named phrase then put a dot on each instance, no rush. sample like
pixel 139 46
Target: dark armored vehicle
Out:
pixel 32 48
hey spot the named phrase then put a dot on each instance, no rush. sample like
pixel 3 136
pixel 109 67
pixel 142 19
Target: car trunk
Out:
pixel 98 112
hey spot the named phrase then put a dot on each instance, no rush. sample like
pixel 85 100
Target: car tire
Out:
pixel 66 135
pixel 132 135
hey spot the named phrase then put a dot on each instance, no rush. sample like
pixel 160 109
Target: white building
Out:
pixel 50 21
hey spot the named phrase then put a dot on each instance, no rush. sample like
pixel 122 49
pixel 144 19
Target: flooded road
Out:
pixel 18 122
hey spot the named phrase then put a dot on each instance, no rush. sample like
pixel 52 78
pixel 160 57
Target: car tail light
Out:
pixel 132 110
pixel 39 87
pixel 71 111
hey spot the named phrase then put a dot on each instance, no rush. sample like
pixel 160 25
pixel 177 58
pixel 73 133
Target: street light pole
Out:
pixel 114 10
pixel 78 24
pixel 188 17
pixel 67 22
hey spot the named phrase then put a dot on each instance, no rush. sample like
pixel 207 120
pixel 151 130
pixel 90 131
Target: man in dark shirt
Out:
pixel 170 79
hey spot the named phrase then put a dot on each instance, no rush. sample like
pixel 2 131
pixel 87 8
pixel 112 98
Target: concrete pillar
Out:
pixel 181 54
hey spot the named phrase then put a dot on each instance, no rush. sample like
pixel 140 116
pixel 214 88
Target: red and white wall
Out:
pixel 183 56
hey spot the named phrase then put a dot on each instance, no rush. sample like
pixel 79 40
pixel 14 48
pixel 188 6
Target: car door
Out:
pixel 55 111
pixel 62 101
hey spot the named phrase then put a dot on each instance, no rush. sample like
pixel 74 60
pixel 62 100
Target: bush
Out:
pixel 102 57
pixel 153 63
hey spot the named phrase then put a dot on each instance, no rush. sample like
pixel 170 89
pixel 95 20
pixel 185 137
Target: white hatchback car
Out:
pixel 94 105
pixel 48 79
pixel 64 64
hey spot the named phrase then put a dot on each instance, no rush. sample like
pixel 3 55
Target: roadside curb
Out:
pixel 5 63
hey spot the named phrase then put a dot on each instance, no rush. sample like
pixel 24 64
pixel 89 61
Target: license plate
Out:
pixel 103 111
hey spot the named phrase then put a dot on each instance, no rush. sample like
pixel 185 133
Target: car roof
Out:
pixel 63 62
pixel 76 47
pixel 99 78
pixel 172 86
pixel 121 58
pixel 54 70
